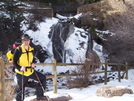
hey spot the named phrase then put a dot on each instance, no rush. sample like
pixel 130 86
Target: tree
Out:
pixel 81 2
pixel 91 1
pixel 10 22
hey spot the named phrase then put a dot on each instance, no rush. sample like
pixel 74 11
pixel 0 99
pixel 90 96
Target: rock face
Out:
pixel 117 17
pixel 110 91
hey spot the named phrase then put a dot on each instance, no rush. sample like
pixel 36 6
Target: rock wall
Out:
pixel 117 17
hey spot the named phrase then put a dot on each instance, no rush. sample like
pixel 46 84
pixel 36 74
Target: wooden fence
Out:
pixel 38 4
pixel 54 74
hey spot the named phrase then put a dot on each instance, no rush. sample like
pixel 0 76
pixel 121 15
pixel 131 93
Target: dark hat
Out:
pixel 25 37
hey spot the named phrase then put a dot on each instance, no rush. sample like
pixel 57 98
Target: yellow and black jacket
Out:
pixel 24 58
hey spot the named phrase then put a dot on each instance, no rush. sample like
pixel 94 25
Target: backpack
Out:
pixel 10 55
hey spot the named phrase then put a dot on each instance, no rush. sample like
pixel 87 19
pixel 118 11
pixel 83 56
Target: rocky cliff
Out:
pixel 117 17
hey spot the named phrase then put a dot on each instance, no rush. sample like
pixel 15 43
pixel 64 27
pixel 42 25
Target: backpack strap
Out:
pixel 20 49
pixel 32 51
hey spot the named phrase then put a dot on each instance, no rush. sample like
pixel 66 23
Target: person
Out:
pixel 24 63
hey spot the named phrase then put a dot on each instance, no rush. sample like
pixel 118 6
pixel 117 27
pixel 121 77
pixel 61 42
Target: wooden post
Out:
pixel 2 80
pixel 55 76
pixel 105 73
pixel 119 70
pixel 127 71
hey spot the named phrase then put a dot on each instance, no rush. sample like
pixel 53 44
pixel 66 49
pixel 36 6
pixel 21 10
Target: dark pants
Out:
pixel 22 80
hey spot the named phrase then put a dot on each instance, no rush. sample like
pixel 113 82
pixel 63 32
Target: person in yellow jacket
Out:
pixel 24 63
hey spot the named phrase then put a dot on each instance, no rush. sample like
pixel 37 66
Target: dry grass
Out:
pixel 80 80
pixel 83 78
pixel 9 91
pixel 9 87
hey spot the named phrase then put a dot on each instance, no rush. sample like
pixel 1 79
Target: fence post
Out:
pixel 55 76
pixel 119 70
pixel 105 72
pixel 2 79
pixel 127 71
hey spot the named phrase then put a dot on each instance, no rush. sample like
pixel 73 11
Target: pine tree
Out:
pixel 10 22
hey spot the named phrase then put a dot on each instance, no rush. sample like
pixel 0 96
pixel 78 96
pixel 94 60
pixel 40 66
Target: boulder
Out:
pixel 60 97
pixel 110 91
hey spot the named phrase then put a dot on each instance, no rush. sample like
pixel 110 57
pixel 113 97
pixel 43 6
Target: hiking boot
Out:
pixel 44 98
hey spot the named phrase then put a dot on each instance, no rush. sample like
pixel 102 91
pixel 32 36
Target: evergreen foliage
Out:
pixel 10 23
pixel 92 1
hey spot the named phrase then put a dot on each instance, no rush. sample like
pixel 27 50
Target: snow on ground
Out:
pixel 89 93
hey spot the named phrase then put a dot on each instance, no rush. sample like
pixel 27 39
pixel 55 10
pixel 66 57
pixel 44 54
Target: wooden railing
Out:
pixel 38 4
pixel 54 73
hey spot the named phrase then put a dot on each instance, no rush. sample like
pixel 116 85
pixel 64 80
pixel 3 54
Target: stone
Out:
pixel 110 91
pixel 58 98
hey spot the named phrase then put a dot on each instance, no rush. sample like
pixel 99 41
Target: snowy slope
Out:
pixel 89 93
